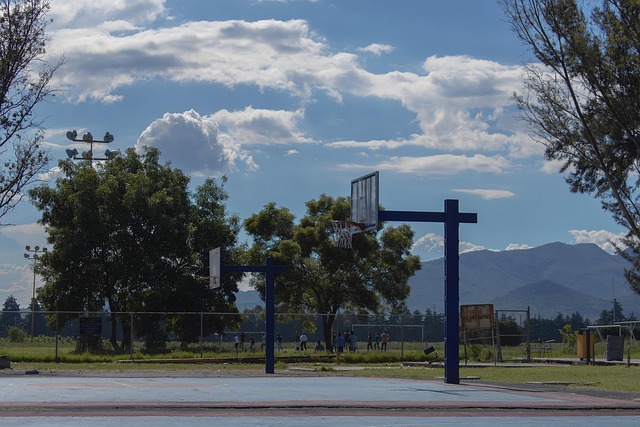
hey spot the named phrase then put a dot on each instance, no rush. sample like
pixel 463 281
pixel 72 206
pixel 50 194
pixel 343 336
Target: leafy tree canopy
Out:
pixel 322 278
pixel 130 236
pixel 10 315
pixel 24 83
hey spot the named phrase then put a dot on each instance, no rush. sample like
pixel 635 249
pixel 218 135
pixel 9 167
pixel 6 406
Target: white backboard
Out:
pixel 364 200
pixel 215 268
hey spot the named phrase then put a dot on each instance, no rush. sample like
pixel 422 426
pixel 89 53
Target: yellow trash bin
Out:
pixel 582 346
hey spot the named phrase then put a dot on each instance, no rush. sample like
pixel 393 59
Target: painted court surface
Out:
pixel 282 400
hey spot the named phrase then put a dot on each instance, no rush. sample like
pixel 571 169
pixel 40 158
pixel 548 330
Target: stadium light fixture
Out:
pixel 88 138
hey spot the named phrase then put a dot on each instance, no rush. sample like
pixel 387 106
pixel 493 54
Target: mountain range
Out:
pixel 551 278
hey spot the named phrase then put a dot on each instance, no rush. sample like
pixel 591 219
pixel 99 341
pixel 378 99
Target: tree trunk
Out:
pixel 114 332
pixel 327 325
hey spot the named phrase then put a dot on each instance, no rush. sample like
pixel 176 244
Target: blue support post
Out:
pixel 270 271
pixel 270 316
pixel 451 292
pixel 451 217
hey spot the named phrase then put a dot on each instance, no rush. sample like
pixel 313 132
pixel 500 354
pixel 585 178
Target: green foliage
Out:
pixel 510 333
pixel 130 233
pixel 10 315
pixel 322 278
pixel 608 317
pixel 379 357
pixel 24 83
pixel 15 334
pixel 479 353
pixel 569 339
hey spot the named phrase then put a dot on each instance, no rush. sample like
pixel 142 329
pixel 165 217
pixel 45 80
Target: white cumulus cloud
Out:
pixel 441 164
pixel 431 246
pixel 377 48
pixel 261 127
pixel 602 238
pixel 487 194
pixel 194 144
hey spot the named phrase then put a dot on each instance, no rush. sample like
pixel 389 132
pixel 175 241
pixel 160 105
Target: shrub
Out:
pixel 569 339
pixel 486 354
pixel 16 334
pixel 479 353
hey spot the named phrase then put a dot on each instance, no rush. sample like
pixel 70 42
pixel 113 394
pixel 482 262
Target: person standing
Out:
pixel 303 341
pixel 279 342
pixel 353 342
pixel 340 343
pixel 236 343
pixel 385 337
pixel 370 341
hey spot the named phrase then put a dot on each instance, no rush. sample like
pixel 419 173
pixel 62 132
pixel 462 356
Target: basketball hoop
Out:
pixel 343 232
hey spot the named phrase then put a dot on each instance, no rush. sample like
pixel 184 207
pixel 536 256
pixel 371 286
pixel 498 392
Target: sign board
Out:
pixel 478 317
pixel 91 326
pixel 215 268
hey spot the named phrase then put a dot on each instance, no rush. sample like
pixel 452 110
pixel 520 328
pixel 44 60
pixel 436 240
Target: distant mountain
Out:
pixel 248 300
pixel 547 299
pixel 551 278
pixel 486 277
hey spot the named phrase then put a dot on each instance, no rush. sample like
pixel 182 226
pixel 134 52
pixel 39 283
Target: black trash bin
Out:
pixel 615 348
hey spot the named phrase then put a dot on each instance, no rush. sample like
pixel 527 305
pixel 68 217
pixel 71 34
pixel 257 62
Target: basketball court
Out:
pixel 285 400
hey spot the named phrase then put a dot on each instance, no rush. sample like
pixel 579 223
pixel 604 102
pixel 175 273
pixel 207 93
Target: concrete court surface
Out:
pixel 284 400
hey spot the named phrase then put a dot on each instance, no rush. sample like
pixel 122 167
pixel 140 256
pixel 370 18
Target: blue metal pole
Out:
pixel 451 292
pixel 270 316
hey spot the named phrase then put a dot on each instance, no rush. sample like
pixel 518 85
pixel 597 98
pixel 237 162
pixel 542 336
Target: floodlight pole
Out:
pixel 33 254
pixel 452 218
pixel 270 270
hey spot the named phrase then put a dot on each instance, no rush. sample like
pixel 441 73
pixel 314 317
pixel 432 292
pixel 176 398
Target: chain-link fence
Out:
pixel 80 336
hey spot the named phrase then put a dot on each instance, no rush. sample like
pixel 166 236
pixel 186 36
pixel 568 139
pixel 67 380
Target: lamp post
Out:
pixel 88 155
pixel 33 254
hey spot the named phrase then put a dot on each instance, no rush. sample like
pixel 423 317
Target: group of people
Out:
pixel 380 341
pixel 341 342
pixel 239 340
pixel 349 341
pixel 301 342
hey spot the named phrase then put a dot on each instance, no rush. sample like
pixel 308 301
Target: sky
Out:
pixel 291 99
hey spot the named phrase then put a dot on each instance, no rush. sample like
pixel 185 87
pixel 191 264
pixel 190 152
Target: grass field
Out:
pixel 38 356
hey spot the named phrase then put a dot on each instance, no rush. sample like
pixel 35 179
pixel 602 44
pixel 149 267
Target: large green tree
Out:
pixel 582 99
pixel 322 278
pixel 24 83
pixel 128 235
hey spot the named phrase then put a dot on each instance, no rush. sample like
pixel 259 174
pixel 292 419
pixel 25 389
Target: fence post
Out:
pixel 57 358
pixel 499 352
pixel 528 334
pixel 131 339
pixel 401 338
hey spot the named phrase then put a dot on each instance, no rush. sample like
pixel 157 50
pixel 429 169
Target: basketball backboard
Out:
pixel 364 201
pixel 215 268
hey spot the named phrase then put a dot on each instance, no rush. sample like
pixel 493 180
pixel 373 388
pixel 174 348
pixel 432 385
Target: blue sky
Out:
pixel 294 98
